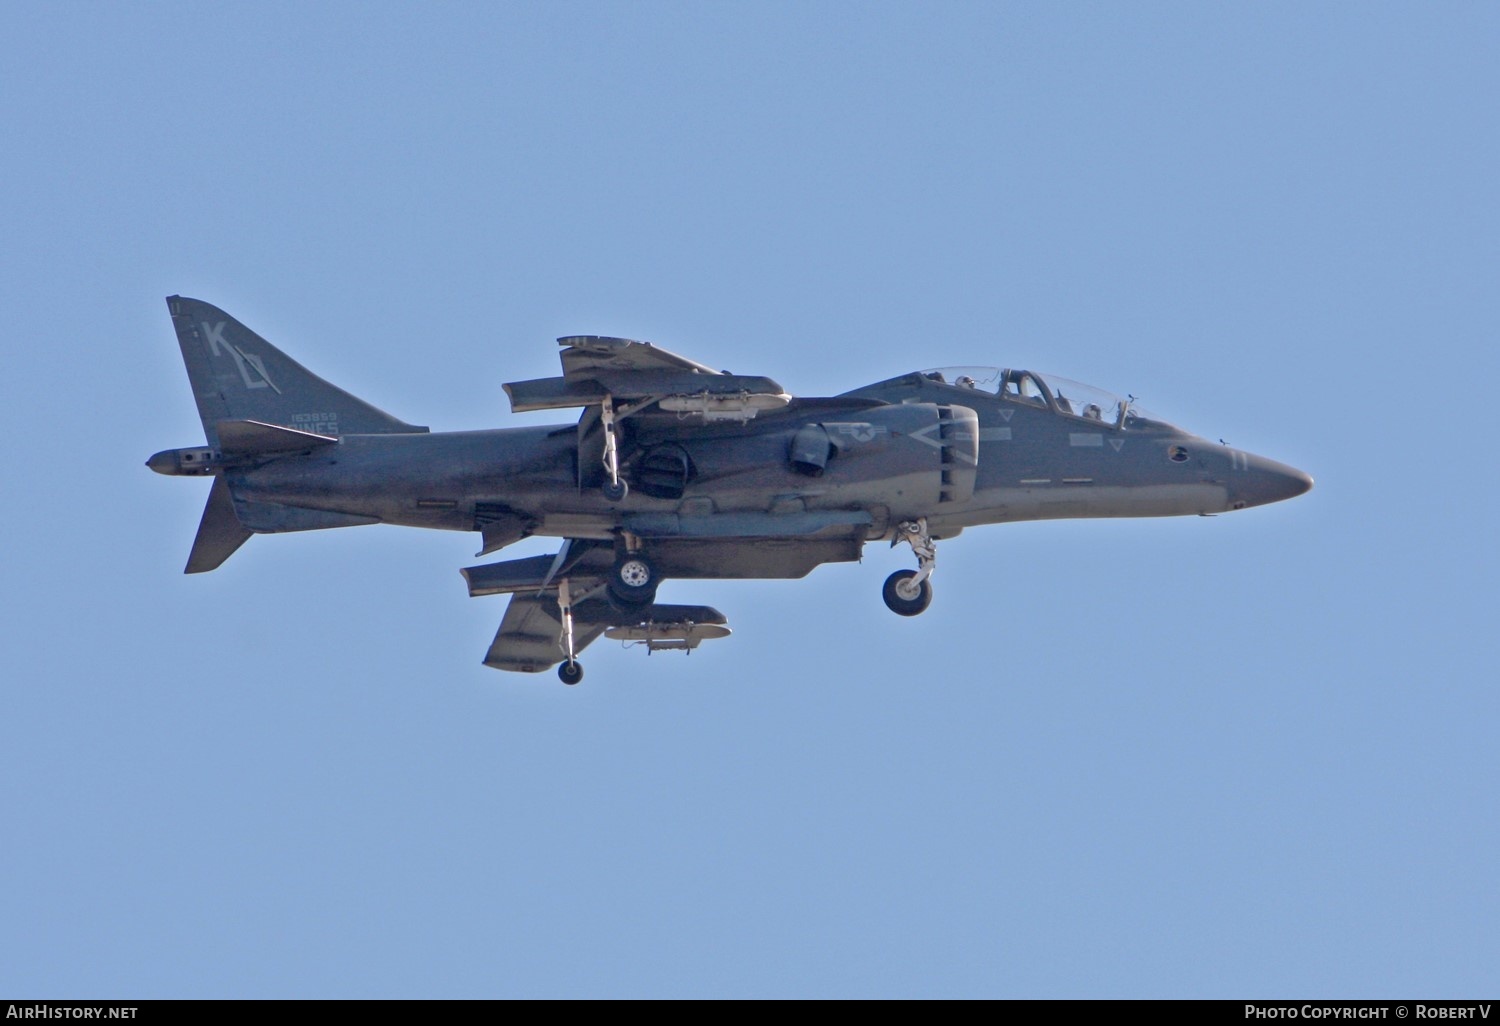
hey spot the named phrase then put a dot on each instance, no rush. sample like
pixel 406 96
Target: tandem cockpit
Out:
pixel 1061 395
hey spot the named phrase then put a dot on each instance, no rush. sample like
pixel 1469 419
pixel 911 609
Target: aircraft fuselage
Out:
pixel 1033 463
pixel 676 470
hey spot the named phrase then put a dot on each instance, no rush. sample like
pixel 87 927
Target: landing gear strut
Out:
pixel 909 592
pixel 570 672
pixel 615 489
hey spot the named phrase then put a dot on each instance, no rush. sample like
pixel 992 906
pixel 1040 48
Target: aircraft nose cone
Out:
pixel 1301 482
pixel 1265 481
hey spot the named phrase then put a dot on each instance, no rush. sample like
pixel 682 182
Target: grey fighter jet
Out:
pixel 677 470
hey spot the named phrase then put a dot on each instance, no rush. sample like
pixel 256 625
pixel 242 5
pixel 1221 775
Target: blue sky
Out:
pixel 1250 755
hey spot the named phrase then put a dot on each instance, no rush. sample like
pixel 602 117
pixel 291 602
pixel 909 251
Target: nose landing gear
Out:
pixel 909 592
pixel 905 595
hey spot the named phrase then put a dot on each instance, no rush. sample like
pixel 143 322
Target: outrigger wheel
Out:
pixel 632 580
pixel 615 489
pixel 904 597
pixel 570 673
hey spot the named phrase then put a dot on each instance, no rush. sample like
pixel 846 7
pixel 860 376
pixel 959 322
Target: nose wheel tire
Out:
pixel 570 673
pixel 633 581
pixel 904 597
pixel 615 491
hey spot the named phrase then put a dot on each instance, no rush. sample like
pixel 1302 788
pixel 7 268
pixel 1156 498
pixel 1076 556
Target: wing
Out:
pixel 596 367
pixel 531 638
pixel 586 356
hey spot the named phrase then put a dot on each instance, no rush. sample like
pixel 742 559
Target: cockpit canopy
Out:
pixel 1072 398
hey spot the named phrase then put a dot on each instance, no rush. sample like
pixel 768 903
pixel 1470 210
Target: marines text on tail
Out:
pixel 675 469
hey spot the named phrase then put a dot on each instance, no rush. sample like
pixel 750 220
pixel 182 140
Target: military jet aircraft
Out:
pixel 677 470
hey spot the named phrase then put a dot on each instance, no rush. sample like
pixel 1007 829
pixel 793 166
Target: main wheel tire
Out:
pixel 570 673
pixel 631 612
pixel 899 597
pixel 632 581
pixel 615 491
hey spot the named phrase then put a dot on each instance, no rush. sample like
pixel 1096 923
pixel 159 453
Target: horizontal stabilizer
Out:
pixel 219 532
pixel 256 438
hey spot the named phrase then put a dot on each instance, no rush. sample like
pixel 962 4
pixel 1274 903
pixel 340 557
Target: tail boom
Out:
pixel 256 404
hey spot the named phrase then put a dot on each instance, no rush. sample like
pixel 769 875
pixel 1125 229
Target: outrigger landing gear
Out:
pixel 570 672
pixel 615 489
pixel 909 592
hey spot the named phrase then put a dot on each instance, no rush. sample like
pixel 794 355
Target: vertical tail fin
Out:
pixel 219 532
pixel 237 375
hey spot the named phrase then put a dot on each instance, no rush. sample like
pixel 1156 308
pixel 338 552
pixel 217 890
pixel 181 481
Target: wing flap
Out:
pixel 508 577
pixel 534 572
pixel 552 394
pixel 584 355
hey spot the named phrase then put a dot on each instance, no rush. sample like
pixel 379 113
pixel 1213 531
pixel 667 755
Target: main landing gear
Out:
pixel 909 592
pixel 631 586
pixel 633 581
